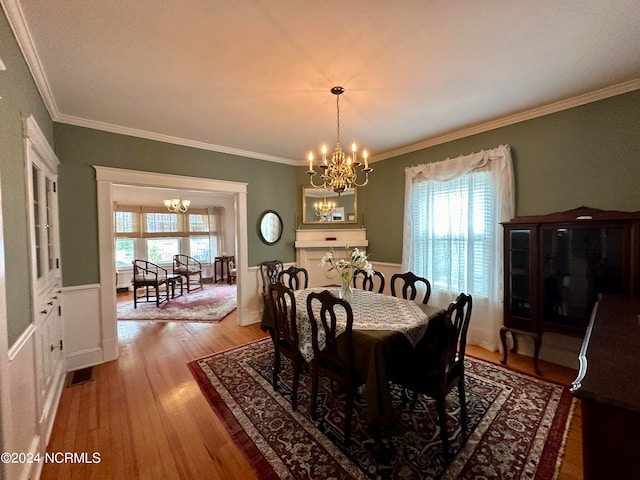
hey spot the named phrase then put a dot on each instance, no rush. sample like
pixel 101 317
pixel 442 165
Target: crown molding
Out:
pixel 559 106
pixel 18 24
pixel 108 127
pixel 23 36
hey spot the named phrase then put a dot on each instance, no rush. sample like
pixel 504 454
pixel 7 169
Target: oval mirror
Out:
pixel 270 227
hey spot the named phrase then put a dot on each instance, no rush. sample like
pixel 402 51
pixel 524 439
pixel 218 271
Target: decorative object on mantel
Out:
pixel 324 209
pixel 341 173
pixel 357 260
pixel 175 205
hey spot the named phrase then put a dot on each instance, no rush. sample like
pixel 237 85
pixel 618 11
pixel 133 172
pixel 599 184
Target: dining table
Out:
pixel 386 330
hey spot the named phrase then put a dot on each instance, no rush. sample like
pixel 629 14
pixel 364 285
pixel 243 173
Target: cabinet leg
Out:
pixel 537 341
pixel 503 339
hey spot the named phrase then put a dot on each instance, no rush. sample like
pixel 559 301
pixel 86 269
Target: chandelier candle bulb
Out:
pixel 366 162
pixel 310 162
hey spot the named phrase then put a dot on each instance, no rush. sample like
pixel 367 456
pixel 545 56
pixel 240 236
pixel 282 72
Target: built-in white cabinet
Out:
pixel 41 174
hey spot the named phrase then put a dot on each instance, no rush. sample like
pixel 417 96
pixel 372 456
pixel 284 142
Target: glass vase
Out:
pixel 346 292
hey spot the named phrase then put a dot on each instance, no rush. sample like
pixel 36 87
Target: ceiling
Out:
pixel 253 77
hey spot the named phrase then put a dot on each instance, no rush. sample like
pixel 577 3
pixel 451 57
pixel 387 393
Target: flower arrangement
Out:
pixel 356 260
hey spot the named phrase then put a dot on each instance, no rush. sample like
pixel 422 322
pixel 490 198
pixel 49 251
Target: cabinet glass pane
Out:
pixel 35 178
pixel 519 299
pixel 579 264
pixel 49 227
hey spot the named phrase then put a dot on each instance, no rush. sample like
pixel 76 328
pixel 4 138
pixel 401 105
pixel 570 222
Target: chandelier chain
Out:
pixel 338 120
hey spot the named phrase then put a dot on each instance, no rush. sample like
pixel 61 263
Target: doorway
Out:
pixel 106 178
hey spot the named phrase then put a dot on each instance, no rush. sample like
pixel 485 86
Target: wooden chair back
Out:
pixel 368 281
pixel 285 335
pixel 295 278
pixel 410 282
pixel 335 360
pixel 269 271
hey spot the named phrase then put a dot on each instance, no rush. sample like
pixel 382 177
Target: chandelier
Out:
pixel 175 205
pixel 324 208
pixel 341 172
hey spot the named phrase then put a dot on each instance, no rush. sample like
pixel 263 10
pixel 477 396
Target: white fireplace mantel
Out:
pixel 311 245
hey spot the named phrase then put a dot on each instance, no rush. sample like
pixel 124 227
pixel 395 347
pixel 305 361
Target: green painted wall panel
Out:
pixel 19 97
pixel 79 149
pixel 588 155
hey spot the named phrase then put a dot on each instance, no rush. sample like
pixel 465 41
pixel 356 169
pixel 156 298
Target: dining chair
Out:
pixel 269 271
pixel 295 278
pixel 439 367
pixel 285 335
pixel 188 267
pixel 410 282
pixel 368 281
pixel 323 309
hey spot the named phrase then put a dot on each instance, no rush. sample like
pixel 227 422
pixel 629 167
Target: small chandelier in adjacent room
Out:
pixel 324 209
pixel 341 172
pixel 175 205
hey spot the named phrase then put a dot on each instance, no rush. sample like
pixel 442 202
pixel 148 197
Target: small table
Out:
pixel 223 262
pixel 171 283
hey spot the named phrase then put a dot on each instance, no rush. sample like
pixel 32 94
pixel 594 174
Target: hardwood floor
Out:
pixel 146 418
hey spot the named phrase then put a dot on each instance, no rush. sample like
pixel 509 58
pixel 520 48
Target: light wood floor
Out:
pixel 146 417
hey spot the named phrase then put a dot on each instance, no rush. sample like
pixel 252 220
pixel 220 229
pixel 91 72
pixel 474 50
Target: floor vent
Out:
pixel 80 376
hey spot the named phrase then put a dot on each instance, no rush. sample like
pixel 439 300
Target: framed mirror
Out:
pixel 270 227
pixel 344 206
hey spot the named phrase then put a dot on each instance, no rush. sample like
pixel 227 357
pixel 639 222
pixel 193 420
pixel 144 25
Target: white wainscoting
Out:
pixel 23 432
pixel 83 342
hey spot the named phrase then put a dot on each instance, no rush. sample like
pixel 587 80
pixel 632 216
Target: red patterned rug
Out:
pixel 517 424
pixel 209 304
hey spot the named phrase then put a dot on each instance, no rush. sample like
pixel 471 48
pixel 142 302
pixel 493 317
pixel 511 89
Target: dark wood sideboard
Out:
pixel 556 265
pixel 609 386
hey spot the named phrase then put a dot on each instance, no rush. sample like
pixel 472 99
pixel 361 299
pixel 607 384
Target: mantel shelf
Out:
pixel 331 243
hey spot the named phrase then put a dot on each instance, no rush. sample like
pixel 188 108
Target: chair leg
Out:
pixel 463 404
pixel 444 436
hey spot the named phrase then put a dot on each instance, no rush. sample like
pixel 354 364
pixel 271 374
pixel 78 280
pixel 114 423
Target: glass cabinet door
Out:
pixel 519 273
pixel 578 264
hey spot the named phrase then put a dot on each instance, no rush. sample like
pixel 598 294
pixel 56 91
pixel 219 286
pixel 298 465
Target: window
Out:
pixel 199 248
pixel 158 235
pixel 162 250
pixel 452 225
pixel 452 232
pixel 125 252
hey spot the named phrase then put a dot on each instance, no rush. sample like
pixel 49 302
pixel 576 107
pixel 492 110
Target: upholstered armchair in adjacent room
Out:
pixel 190 268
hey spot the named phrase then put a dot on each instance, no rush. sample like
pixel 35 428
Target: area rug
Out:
pixel 517 424
pixel 209 304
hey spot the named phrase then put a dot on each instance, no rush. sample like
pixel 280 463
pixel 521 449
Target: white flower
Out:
pixel 356 260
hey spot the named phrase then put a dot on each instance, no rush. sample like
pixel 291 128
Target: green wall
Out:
pixel 19 96
pixel 79 149
pixel 588 155
pixel 584 156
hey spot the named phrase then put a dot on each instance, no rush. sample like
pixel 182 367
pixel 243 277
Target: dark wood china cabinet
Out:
pixel 556 265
